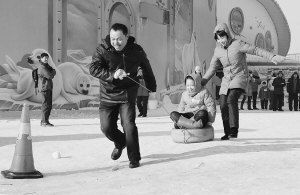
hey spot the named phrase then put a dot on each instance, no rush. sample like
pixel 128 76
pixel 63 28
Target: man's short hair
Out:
pixel 120 27
pixel 221 33
pixel 44 54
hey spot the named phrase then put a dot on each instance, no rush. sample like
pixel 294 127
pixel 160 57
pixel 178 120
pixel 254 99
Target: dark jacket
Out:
pixel 46 73
pixel 291 84
pixel 106 61
pixel 233 60
pixel 264 93
pixel 278 84
pixel 256 82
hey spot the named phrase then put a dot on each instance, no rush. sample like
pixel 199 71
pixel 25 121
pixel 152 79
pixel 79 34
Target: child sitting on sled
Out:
pixel 197 107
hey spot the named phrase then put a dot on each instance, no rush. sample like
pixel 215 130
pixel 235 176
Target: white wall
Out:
pixel 254 12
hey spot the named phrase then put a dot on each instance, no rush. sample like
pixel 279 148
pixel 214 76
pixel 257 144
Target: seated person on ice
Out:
pixel 197 107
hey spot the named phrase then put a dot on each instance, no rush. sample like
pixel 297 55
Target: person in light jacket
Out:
pixel 231 54
pixel 271 89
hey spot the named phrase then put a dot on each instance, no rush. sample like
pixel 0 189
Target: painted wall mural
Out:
pixel 73 87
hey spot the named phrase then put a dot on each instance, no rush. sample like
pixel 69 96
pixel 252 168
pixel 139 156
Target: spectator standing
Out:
pixel 279 84
pixel 264 95
pixel 254 86
pixel 46 73
pixel 271 89
pixel 293 89
pixel 249 90
pixel 142 95
pixel 243 101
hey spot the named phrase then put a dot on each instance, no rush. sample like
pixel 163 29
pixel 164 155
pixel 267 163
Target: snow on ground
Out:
pixel 264 159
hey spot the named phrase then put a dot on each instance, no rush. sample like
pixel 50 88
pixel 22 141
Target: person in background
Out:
pixel 198 70
pixel 249 90
pixel 242 102
pixel 264 95
pixel 279 84
pixel 271 89
pixel 46 73
pixel 254 86
pixel 115 63
pixel 142 95
pixel 293 89
pixel 231 54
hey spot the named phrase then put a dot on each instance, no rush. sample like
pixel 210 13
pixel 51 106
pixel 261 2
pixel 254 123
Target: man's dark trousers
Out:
pixel 230 109
pixel 108 121
pixel 46 105
pixel 271 100
pixel 254 95
pixel 293 97
pixel 142 103
pixel 277 103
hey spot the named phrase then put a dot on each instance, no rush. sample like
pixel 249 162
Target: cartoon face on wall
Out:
pixel 75 81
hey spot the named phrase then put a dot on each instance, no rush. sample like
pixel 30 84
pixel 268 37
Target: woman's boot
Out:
pixel 189 124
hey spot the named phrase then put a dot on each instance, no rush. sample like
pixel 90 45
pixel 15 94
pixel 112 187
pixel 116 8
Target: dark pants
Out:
pixel 176 115
pixel 271 100
pixel 243 101
pixel 293 97
pixel 254 95
pixel 142 103
pixel 277 104
pixel 249 102
pixel 230 110
pixel 108 121
pixel 46 105
pixel 264 104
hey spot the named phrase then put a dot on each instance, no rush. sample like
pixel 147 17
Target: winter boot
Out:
pixel 189 124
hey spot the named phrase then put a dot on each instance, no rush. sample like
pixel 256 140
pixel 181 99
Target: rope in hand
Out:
pixel 147 90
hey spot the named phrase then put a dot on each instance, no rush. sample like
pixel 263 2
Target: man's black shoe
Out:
pixel 250 109
pixel 255 109
pixel 47 125
pixel 140 115
pixel 225 137
pixel 116 153
pixel 134 164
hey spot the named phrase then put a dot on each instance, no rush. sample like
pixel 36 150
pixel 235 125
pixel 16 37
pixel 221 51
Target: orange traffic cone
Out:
pixel 22 166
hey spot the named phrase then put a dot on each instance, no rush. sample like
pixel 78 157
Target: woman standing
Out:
pixel 231 54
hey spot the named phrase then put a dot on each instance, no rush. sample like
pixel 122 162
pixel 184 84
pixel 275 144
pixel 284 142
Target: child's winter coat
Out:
pixel 264 93
pixel 200 98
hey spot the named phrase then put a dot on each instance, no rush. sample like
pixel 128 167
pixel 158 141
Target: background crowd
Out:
pixel 271 92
